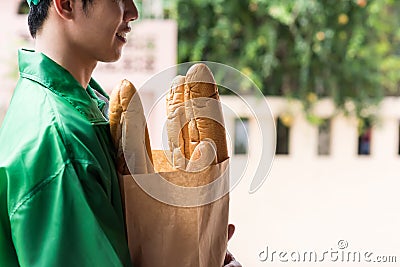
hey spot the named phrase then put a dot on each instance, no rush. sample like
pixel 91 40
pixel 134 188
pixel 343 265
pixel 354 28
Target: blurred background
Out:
pixel 330 71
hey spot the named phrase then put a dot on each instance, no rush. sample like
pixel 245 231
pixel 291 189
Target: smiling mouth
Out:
pixel 121 36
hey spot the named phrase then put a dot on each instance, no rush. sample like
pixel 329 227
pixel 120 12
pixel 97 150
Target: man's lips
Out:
pixel 121 35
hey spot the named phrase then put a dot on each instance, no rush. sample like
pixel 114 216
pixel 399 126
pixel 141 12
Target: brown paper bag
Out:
pixel 176 218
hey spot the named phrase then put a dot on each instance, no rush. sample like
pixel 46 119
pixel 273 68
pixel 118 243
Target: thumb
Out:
pixel 231 230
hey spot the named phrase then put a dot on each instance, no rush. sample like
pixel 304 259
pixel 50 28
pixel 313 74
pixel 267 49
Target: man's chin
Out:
pixel 110 59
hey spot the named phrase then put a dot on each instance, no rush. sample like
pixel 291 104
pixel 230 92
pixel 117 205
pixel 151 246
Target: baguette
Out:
pixel 203 111
pixel 202 157
pixel 176 123
pixel 122 121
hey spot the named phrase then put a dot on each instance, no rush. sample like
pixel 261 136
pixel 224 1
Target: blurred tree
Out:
pixel 304 49
pixel 23 7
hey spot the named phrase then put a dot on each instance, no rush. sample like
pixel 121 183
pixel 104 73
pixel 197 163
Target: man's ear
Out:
pixel 64 8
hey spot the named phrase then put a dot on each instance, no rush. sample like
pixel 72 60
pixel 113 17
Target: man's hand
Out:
pixel 229 259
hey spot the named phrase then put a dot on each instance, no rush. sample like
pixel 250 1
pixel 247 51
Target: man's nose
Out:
pixel 131 13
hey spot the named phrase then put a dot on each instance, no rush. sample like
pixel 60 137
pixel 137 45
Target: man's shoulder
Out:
pixel 34 106
pixel 30 119
pixel 32 148
pixel 30 107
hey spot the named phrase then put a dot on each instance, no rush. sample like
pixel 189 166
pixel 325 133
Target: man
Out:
pixel 60 202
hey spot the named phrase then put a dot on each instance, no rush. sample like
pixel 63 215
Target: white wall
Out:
pixel 14 34
pixel 310 202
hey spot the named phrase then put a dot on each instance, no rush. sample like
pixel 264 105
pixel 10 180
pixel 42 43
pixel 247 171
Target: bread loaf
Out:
pixel 176 123
pixel 203 156
pixel 124 120
pixel 203 111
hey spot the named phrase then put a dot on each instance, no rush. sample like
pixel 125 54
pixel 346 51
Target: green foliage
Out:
pixel 344 49
pixel 23 8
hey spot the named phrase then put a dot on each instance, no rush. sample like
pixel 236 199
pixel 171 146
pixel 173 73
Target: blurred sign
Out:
pixel 151 48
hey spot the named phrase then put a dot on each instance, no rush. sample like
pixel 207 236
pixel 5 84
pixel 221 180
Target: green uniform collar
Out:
pixel 41 69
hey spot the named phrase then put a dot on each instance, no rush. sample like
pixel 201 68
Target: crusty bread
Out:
pixel 114 114
pixel 203 156
pixel 203 110
pixel 122 121
pixel 176 123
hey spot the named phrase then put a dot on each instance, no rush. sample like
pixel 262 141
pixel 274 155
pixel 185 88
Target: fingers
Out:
pixel 231 230
pixel 230 261
pixel 228 258
pixel 233 264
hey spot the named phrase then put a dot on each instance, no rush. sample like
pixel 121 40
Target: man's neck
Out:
pixel 63 54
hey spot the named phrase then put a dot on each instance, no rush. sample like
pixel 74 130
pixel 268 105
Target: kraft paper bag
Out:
pixel 176 218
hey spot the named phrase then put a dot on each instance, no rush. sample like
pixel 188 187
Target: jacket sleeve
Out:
pixel 55 224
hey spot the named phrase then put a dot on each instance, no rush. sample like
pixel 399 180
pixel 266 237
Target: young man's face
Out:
pixel 100 31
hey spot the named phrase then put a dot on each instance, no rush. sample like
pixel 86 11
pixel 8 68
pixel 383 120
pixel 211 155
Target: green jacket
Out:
pixel 60 202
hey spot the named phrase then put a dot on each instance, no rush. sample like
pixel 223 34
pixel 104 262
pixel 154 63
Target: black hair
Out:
pixel 38 14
